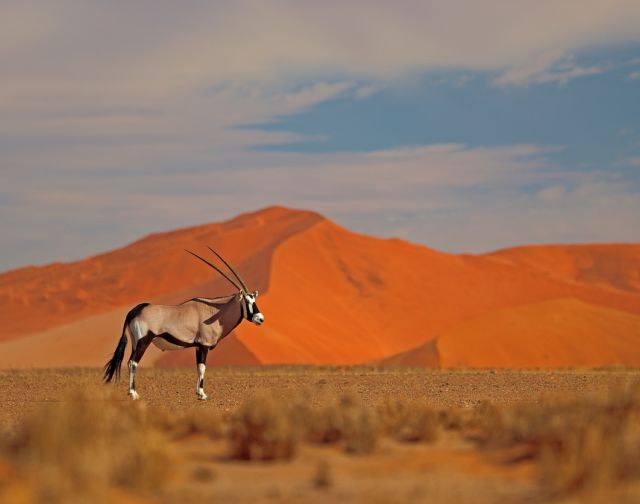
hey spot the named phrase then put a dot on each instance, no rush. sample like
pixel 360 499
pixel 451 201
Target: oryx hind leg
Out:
pixel 141 337
pixel 201 360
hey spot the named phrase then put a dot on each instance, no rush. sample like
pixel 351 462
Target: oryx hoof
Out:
pixel 134 395
pixel 202 396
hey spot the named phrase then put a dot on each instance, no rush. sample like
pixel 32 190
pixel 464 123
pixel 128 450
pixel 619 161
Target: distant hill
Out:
pixel 548 334
pixel 331 296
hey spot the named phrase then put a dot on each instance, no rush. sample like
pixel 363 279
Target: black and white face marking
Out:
pixel 252 310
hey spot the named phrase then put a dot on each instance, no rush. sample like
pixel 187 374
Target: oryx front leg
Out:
pixel 201 359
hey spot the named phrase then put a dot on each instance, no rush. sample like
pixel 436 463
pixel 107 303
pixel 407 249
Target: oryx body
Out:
pixel 199 322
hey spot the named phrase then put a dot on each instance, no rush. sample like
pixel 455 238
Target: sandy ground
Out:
pixel 449 470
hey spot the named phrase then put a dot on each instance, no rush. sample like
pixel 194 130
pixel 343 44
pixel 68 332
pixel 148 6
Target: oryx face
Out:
pixel 251 308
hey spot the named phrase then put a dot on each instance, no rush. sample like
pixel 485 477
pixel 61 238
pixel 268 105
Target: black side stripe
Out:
pixel 169 338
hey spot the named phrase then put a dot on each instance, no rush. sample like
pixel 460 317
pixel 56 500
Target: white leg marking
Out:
pixel 140 330
pixel 132 383
pixel 200 390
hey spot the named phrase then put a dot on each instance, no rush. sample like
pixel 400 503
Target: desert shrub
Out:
pixel 391 411
pixel 74 450
pixel 576 444
pixel 413 421
pixel 484 420
pixel 452 418
pixel 205 421
pixel 346 420
pixel 263 428
pixel 270 426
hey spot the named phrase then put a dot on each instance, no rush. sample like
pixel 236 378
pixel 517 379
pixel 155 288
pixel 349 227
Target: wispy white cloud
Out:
pixel 557 66
pixel 564 75
pixel 315 93
pixel 366 90
pixel 549 69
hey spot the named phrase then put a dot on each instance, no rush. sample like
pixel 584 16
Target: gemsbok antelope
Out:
pixel 199 322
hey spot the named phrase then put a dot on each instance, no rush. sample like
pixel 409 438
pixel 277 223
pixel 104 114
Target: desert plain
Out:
pixel 322 434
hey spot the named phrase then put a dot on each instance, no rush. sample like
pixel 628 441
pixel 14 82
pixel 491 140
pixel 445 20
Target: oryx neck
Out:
pixel 238 303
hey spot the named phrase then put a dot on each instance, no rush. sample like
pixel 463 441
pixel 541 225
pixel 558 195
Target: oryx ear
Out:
pixel 255 294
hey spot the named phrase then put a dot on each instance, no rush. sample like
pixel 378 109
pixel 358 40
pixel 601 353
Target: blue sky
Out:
pixel 465 126
pixel 592 120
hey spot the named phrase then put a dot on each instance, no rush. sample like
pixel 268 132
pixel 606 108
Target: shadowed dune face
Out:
pixel 333 296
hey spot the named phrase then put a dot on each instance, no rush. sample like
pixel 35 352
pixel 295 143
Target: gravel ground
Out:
pixel 22 390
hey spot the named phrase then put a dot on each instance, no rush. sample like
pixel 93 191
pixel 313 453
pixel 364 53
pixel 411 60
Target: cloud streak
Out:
pixel 448 196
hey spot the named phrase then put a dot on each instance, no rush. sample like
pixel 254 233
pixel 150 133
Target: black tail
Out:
pixel 112 367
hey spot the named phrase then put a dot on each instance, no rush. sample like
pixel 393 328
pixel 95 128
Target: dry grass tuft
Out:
pixel 269 426
pixel 413 421
pixel 484 420
pixel 205 421
pixel 453 418
pixel 576 444
pixel 346 420
pixel 264 429
pixel 73 451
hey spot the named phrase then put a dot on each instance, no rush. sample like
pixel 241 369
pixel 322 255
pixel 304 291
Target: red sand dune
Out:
pixel 329 296
pixel 555 333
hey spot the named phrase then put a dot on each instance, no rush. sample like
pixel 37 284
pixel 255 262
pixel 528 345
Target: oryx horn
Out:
pixel 216 268
pixel 232 270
